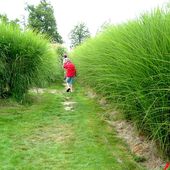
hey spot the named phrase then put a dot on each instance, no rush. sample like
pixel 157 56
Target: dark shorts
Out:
pixel 70 80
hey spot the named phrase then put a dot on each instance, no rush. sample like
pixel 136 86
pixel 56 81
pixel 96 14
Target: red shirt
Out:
pixel 70 69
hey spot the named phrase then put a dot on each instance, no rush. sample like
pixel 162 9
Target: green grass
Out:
pixel 26 59
pixel 42 135
pixel 129 65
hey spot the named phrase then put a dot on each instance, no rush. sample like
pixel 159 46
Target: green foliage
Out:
pixel 26 59
pixel 60 52
pixel 78 34
pixel 4 18
pixel 41 18
pixel 129 64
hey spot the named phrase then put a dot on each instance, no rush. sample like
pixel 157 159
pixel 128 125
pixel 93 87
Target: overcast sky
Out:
pixel 93 12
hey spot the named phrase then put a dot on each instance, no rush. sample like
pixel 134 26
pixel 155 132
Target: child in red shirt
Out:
pixel 70 74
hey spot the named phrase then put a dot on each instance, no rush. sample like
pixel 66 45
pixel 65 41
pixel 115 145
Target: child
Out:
pixel 70 74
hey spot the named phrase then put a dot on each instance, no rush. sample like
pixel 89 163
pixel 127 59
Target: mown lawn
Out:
pixel 42 135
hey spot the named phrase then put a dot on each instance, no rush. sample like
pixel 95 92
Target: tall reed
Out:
pixel 129 64
pixel 26 59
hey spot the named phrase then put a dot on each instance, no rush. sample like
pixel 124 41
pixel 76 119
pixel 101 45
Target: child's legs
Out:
pixel 68 85
pixel 69 81
pixel 71 87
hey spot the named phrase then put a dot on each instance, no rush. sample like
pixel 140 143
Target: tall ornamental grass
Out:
pixel 129 64
pixel 26 60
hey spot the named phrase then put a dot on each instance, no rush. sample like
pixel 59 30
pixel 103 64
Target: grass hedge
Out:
pixel 129 64
pixel 26 60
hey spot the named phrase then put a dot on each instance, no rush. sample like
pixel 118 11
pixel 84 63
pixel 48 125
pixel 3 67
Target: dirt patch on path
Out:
pixel 43 90
pixel 69 105
pixel 139 145
pixel 51 134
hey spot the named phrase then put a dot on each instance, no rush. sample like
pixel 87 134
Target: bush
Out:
pixel 26 59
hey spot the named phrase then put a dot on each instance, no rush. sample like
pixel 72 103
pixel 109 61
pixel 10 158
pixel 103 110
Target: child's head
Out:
pixel 65 55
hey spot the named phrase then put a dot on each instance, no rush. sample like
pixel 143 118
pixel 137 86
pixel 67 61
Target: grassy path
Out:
pixel 45 136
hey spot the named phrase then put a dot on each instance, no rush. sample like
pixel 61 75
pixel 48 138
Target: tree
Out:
pixel 41 18
pixel 4 18
pixel 78 34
